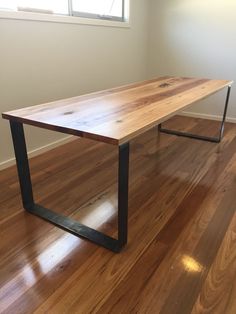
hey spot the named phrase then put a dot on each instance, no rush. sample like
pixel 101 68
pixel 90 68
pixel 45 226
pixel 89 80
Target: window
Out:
pixel 43 6
pixel 106 9
pixel 115 10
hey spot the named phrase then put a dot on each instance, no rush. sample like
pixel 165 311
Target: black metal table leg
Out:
pixel 62 221
pixel 22 164
pixel 123 194
pixel 201 137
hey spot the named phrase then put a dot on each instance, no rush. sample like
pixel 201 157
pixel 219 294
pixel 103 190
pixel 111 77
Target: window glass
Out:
pixel 55 6
pixel 100 7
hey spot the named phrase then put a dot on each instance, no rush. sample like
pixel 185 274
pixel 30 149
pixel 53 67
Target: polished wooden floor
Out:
pixel 181 256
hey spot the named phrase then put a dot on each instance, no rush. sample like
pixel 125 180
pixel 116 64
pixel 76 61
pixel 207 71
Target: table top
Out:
pixel 117 115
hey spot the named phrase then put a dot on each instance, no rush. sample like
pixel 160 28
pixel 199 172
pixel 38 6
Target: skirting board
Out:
pixel 38 151
pixel 206 116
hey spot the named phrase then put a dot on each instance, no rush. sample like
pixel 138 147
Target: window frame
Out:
pixel 73 17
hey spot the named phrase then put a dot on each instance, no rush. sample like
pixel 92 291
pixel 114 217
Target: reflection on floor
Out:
pixel 182 224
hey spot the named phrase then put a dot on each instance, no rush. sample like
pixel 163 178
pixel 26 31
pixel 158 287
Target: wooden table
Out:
pixel 114 116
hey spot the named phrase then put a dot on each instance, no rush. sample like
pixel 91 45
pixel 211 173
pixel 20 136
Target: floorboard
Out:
pixel 180 257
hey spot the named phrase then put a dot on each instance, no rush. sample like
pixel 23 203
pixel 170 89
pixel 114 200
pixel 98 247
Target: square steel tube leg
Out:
pixel 61 221
pixel 201 137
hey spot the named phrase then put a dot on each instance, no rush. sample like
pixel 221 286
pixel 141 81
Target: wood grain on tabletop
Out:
pixel 118 115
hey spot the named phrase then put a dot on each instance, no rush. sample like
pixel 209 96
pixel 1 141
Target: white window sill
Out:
pixel 60 19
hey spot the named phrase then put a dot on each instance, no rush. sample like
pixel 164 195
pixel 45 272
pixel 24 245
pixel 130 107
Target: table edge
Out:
pixel 101 138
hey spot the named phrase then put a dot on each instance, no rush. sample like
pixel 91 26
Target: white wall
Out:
pixel 195 38
pixel 43 61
